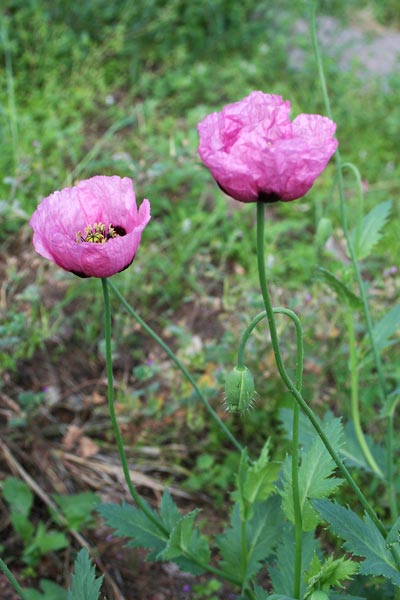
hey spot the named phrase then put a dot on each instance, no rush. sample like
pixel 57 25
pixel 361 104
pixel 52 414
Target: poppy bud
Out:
pixel 239 390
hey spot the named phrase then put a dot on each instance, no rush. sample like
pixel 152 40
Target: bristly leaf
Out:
pixel 282 574
pixel 337 286
pixel 315 475
pixel 371 229
pixel 85 585
pixel 332 572
pixel 185 545
pixel 262 533
pixel 132 523
pixel 361 538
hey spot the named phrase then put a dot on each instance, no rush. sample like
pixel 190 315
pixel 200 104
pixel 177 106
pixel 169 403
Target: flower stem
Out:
pixel 288 382
pixel 107 328
pixel 12 580
pixel 178 363
pixel 356 268
pixel 355 409
pixel 295 436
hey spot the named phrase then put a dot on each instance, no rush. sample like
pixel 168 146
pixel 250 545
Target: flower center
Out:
pixel 98 233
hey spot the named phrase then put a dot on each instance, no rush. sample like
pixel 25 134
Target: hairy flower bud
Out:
pixel 239 390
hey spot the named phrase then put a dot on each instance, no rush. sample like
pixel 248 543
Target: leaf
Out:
pixel 169 512
pixel 51 591
pixel 49 541
pixel 186 546
pixel 260 593
pixel 262 533
pixel 314 475
pixel 255 482
pixel 22 525
pixel 361 538
pixel 18 495
pixel 77 508
pixel 337 286
pixel 386 327
pixel 282 574
pixel 393 536
pixel 371 229
pixel 85 585
pixel 132 523
pixel 330 573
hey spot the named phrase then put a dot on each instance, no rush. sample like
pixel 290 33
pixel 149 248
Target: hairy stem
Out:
pixel 178 363
pixel 288 382
pixel 355 408
pixel 111 406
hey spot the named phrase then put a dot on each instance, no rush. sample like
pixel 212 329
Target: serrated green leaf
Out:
pixel 255 482
pixel 186 546
pixel 18 495
pixel 384 329
pixel 393 536
pixel 361 539
pixel 169 512
pixel 314 475
pixel 332 572
pixel 132 523
pixel 371 229
pixel 262 533
pixel 282 574
pixel 337 286
pixel 85 585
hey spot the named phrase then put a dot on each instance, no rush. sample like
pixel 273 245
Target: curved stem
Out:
pixel 288 382
pixel 355 408
pixel 298 516
pixel 262 315
pixel 178 363
pixel 12 580
pixel 110 392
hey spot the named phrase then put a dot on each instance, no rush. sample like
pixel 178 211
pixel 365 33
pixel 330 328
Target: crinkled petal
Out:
pixel 108 200
pixel 254 151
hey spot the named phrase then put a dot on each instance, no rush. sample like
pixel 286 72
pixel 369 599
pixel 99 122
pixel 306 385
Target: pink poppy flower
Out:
pixel 255 152
pixel 92 229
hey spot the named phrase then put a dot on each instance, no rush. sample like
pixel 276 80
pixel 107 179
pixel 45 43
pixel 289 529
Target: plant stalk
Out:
pixel 288 382
pixel 178 363
pixel 12 580
pixel 111 405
